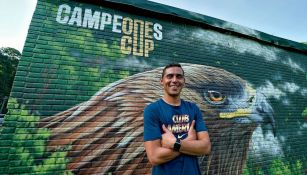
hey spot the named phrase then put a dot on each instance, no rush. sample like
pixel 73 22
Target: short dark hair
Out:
pixel 171 65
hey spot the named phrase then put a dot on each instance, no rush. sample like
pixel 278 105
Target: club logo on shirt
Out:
pixel 181 124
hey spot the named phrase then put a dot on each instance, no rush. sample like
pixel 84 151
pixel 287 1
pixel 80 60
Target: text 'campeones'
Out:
pixel 138 35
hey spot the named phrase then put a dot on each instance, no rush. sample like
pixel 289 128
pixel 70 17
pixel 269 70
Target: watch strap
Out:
pixel 177 145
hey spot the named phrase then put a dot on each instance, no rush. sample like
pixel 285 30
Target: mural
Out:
pixel 87 72
pixel 113 118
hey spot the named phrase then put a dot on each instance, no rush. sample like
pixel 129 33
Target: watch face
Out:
pixel 177 145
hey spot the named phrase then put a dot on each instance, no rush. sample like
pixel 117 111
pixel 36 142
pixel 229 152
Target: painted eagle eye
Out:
pixel 215 97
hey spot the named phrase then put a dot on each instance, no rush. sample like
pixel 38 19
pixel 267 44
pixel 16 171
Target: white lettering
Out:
pixel 63 9
pixel 76 17
pixel 117 24
pixel 137 35
pixel 90 20
pixel 106 18
pixel 157 29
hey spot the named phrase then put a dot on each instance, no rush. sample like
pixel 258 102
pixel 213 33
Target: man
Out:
pixel 174 130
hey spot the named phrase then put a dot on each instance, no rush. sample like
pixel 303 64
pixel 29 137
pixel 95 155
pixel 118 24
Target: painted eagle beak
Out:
pixel 257 110
pixel 265 110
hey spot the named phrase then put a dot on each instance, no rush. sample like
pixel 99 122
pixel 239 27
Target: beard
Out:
pixel 174 93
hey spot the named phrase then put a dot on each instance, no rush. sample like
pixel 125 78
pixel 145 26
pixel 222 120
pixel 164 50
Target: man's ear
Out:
pixel 161 81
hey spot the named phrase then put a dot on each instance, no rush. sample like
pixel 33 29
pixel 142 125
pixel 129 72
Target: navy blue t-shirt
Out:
pixel 178 120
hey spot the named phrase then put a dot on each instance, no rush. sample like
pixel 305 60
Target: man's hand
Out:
pixel 197 143
pixel 192 133
pixel 168 138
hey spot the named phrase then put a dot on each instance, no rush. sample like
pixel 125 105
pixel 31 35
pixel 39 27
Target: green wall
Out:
pixel 88 69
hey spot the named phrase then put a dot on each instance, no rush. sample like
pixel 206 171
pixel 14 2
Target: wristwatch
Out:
pixel 177 145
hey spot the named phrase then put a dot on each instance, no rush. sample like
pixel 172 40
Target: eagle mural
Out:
pixel 105 133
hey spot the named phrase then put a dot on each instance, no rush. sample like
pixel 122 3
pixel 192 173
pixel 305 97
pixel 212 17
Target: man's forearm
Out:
pixel 195 147
pixel 158 154
pixel 164 155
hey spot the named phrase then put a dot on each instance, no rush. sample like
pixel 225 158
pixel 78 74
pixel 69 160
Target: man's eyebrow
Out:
pixel 173 74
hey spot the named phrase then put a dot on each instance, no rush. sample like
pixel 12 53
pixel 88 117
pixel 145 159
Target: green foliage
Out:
pixel 27 145
pixel 280 167
pixel 9 58
pixel 277 167
pixel 304 114
pixel 70 66
pixel 257 171
pixel 10 52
